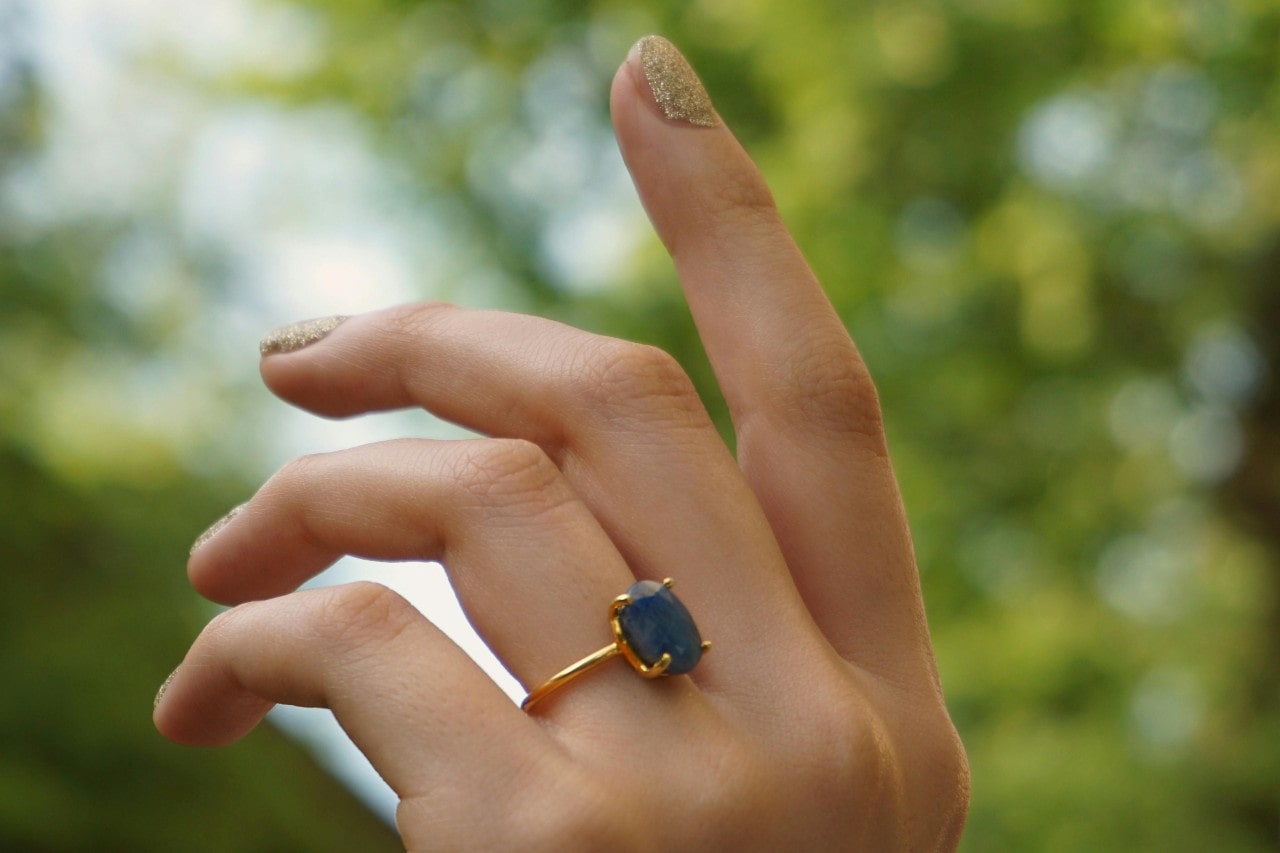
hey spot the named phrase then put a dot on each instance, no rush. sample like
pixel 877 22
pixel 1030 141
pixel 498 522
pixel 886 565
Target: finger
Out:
pixel 622 422
pixel 532 569
pixel 427 718
pixel 805 410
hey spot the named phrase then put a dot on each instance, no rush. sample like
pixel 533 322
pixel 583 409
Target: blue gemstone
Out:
pixel 655 622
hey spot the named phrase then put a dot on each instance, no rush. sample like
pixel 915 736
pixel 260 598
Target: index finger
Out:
pixel 808 422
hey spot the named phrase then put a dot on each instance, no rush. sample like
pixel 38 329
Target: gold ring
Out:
pixel 652 630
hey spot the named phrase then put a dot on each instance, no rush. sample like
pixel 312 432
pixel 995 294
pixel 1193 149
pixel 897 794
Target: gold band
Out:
pixel 568 674
pixel 619 647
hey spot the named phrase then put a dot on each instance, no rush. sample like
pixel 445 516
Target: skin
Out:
pixel 816 723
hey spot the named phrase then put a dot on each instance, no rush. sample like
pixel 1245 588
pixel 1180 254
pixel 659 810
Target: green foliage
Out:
pixel 96 515
pixel 1052 229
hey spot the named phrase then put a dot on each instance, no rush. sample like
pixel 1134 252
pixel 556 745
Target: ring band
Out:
pixel 652 630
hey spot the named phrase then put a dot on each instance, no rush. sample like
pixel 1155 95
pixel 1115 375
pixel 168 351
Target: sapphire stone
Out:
pixel 655 622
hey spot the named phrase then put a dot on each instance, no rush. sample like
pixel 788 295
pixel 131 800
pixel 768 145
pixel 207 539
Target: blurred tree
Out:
pixel 96 516
pixel 1052 228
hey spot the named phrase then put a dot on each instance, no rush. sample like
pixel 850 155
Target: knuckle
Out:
pixel 298 474
pixel 744 196
pixel 847 750
pixel 915 773
pixel 291 488
pixel 363 615
pixel 856 744
pixel 409 324
pixel 829 391
pixel 577 812
pixel 509 471
pixel 945 753
pixel 403 330
pixel 620 380
pixel 746 782
pixel 226 622
pixel 589 825
pixel 944 764
pixel 953 826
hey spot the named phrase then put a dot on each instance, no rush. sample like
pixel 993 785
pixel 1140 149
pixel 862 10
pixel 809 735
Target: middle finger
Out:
pixel 621 420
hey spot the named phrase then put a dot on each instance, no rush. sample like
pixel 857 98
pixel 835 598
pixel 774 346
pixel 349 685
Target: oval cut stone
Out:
pixel 655 622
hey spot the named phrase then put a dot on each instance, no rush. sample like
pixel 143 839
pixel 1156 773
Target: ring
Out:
pixel 651 629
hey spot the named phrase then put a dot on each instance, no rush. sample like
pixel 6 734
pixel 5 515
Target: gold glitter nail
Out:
pixel 164 687
pixel 674 83
pixel 295 336
pixel 215 527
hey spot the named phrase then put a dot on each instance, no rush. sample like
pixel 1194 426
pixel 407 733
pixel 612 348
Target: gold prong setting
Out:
pixel 662 637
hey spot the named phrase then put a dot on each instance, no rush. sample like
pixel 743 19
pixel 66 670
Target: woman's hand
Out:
pixel 815 723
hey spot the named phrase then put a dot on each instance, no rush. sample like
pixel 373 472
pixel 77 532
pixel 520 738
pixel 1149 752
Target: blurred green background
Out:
pixel 1051 225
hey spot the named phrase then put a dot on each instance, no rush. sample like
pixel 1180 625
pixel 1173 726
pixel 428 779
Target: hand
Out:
pixel 815 723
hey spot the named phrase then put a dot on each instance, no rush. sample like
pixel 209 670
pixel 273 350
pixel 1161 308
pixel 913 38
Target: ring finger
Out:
pixel 532 568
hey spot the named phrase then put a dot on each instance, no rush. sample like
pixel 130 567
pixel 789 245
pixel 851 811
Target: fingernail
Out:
pixel 215 527
pixel 164 687
pixel 295 336
pixel 675 86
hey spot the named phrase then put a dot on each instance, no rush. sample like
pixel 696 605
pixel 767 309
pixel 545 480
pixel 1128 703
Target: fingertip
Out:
pixel 623 90
pixel 217 527
pixel 163 711
pixel 191 710
pixel 288 360
pixel 156 718
pixel 203 560
pixel 284 377
pixel 326 378
pixel 206 583
pixel 232 580
pixel 664 81
pixel 183 732
pixel 630 104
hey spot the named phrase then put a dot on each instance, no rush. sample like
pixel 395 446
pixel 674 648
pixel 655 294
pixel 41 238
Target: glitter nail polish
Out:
pixel 295 336
pixel 163 688
pixel 675 86
pixel 215 528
